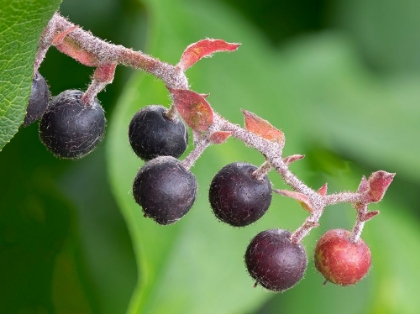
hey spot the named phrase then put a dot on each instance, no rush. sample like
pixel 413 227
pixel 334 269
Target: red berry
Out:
pixel 341 261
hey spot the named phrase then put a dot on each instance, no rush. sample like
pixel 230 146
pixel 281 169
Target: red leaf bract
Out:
pixel 204 48
pixel 193 108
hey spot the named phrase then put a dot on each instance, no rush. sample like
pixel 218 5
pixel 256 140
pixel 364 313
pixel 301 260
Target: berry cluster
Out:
pixel 239 195
pixel 73 123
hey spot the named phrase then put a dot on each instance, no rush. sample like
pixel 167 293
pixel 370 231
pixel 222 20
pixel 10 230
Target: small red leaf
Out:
pixel 323 189
pixel 220 137
pixel 288 160
pixel 261 127
pixel 193 108
pixel 378 183
pixel 370 215
pixel 69 47
pixel 204 48
pixel 59 38
pixel 302 199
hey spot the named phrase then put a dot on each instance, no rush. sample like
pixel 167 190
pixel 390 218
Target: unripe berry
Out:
pixel 341 261
pixel 38 101
pixel 274 261
pixel 69 128
pixel 151 134
pixel 238 198
pixel 165 190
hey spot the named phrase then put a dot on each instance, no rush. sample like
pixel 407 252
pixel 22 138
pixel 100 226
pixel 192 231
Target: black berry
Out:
pixel 151 134
pixel 69 128
pixel 238 198
pixel 274 261
pixel 38 101
pixel 164 189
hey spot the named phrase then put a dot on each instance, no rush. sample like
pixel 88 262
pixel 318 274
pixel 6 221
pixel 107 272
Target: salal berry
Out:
pixel 152 134
pixel 38 101
pixel 237 197
pixel 341 261
pixel 274 261
pixel 164 189
pixel 69 128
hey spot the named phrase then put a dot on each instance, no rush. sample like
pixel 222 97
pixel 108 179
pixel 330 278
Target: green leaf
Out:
pixel 385 32
pixel 394 239
pixel 368 119
pixel 21 25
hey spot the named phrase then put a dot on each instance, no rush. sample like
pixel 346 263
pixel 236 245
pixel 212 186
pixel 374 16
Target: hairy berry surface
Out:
pixel 274 261
pixel 238 198
pixel 165 190
pixel 341 261
pixel 38 101
pixel 70 129
pixel 151 134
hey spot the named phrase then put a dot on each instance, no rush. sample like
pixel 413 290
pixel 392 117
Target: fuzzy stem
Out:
pixel 44 44
pixel 262 171
pixel 199 148
pixel 357 231
pixel 94 88
pixel 102 76
pixel 310 223
pixel 271 150
pixel 171 113
pixel 360 222
pixel 343 197
pixel 106 53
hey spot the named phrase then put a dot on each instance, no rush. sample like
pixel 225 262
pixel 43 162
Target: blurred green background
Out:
pixel 340 78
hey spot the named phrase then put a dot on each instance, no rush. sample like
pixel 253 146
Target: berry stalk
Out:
pixel 359 224
pixel 165 188
pixel 262 171
pixel 199 147
pixel 92 51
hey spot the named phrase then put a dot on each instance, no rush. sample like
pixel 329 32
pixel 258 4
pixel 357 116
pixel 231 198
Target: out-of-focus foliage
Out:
pixel 339 78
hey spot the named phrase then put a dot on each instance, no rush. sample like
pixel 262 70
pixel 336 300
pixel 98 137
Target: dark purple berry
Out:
pixel 164 189
pixel 151 134
pixel 38 101
pixel 274 261
pixel 69 128
pixel 238 198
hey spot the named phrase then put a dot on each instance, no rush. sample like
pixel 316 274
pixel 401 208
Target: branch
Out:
pixel 208 126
